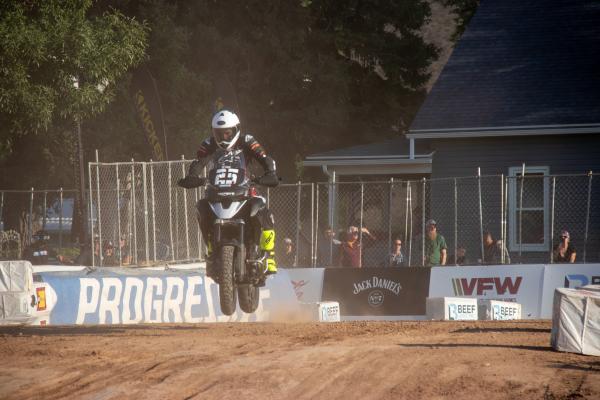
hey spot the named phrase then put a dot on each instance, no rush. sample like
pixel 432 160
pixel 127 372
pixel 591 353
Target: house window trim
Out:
pixel 513 200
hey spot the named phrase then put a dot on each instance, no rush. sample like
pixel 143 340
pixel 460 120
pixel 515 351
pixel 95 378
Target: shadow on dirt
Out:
pixel 593 366
pixel 82 330
pixel 481 345
pixel 500 330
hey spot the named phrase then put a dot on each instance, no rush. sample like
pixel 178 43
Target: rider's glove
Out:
pixel 270 179
pixel 191 182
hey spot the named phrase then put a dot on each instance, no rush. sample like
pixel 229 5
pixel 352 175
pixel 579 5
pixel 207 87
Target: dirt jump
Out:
pixel 350 360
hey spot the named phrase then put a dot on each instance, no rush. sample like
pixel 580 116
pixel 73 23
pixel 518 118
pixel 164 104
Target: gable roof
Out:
pixel 521 68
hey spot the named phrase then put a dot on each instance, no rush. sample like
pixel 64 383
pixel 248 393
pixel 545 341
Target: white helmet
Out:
pixel 226 129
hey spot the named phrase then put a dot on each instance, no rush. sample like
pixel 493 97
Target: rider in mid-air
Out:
pixel 227 135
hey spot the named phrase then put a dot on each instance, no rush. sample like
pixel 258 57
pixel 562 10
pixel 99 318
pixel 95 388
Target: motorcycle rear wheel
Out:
pixel 227 292
pixel 249 296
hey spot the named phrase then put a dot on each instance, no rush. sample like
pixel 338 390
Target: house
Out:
pixel 521 88
pixel 520 92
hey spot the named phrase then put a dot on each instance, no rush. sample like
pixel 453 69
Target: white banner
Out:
pixel 307 283
pixel 516 283
pixel 566 276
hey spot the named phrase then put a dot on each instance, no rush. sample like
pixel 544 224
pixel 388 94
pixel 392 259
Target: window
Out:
pixel 529 218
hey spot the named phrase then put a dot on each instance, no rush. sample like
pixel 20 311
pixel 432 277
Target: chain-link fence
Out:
pixel 483 219
pixel 24 212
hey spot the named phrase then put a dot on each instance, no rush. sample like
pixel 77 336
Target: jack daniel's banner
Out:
pixel 149 112
pixel 377 291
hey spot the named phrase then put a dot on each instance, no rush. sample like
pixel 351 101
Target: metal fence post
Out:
pixel 170 188
pixel 153 199
pixel 60 220
pixel 145 194
pixel 298 195
pixel 198 239
pixel 91 216
pixel 313 255
pixel 502 255
pixel 506 216
pixel 587 216
pixel 119 215
pixel 98 205
pixel 2 209
pixel 185 210
pixel 390 200
pixel 406 238
pixel 480 215
pixel 317 228
pixel 268 197
pixel 521 215
pixel 30 222
pixel 455 222
pixel 411 224
pixel 44 209
pixel 362 198
pixel 552 219
pixel 133 212
pixel 423 225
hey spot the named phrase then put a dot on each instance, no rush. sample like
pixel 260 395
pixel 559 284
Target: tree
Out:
pixel 47 47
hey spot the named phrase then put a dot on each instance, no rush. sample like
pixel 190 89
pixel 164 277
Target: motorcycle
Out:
pixel 239 269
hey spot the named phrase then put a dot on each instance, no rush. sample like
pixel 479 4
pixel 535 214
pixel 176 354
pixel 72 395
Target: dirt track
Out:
pixel 375 360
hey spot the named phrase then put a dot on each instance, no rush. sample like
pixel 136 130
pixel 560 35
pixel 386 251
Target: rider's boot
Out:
pixel 267 244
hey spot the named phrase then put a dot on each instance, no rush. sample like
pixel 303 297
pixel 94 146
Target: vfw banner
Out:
pixel 307 283
pixel 377 291
pixel 516 283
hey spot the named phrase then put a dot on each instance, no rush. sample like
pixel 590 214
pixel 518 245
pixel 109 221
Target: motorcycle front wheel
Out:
pixel 227 292
pixel 249 297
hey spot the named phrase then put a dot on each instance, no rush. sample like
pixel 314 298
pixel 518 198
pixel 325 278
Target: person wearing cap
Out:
pixel 351 247
pixel 564 251
pixel 287 258
pixel 435 246
pixel 109 258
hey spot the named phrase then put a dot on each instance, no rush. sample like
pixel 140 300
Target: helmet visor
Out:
pixel 224 134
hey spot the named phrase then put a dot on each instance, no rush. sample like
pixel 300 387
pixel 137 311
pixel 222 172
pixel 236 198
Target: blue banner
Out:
pixel 117 296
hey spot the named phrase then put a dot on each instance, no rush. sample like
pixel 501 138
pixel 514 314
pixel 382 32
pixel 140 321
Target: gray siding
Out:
pixel 572 154
pixel 575 154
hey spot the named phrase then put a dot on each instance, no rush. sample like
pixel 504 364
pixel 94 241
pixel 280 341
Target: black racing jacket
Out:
pixel 247 143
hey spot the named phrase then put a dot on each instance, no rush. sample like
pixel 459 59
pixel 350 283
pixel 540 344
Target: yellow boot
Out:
pixel 267 244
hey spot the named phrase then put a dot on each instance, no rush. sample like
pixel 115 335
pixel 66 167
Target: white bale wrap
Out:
pixel 495 310
pixel 16 286
pixel 451 308
pixel 327 311
pixel 576 320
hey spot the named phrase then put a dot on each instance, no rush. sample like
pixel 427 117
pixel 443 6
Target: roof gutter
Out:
pixel 534 130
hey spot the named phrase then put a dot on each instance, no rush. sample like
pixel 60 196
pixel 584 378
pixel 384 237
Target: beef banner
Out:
pixel 377 291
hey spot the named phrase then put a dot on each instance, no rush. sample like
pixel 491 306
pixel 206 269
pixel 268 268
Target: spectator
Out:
pixel 351 248
pixel 460 258
pixel 328 248
pixel 396 258
pixel 492 250
pixel 124 253
pixel 435 246
pixel 85 254
pixel 39 251
pixel 564 251
pixel 287 258
pixel 109 257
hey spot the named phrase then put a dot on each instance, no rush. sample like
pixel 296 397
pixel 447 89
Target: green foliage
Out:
pixel 47 45
pixel 464 10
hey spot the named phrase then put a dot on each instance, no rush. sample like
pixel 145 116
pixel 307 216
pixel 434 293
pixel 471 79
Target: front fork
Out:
pixel 237 242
